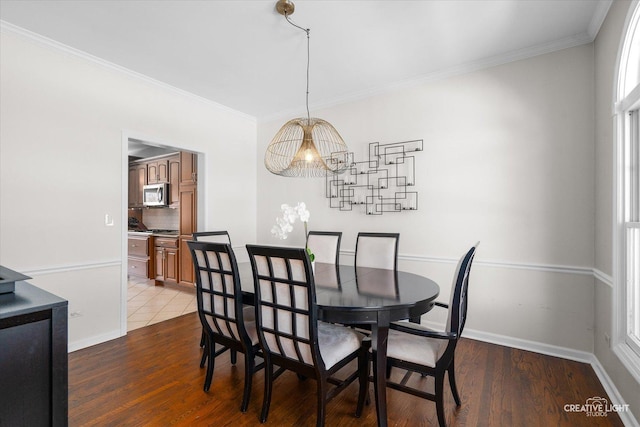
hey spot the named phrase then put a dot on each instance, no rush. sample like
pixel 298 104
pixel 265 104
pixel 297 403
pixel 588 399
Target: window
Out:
pixel 627 229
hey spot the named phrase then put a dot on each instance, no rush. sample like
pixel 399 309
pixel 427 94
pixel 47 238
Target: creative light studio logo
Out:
pixel 595 407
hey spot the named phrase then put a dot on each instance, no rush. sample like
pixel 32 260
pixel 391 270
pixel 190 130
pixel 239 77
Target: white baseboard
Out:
pixel 551 350
pixel 96 339
pixel 614 395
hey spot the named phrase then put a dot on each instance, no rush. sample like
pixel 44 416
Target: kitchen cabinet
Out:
pixel 188 226
pixel 188 168
pixel 174 181
pixel 158 171
pixel 33 358
pixel 137 180
pixel 139 255
pixel 162 262
pixel 167 259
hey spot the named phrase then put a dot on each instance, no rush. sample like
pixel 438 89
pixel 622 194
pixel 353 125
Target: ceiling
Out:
pixel 245 56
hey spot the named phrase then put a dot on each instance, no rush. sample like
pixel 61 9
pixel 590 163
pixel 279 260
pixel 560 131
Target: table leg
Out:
pixel 379 334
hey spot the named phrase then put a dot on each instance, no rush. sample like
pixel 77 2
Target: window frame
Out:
pixel 627 127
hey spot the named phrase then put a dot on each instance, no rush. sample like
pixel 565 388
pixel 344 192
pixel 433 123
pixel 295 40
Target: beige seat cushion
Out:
pixel 336 342
pixel 415 349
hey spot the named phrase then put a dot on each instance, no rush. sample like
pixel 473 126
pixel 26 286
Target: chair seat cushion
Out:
pixel 415 349
pixel 249 316
pixel 337 342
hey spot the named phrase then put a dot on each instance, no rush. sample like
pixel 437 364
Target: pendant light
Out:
pixel 306 146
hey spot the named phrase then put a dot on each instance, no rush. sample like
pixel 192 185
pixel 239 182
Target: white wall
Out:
pixel 63 118
pixel 508 160
pixel 606 55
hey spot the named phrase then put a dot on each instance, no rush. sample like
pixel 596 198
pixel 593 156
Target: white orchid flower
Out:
pixel 303 213
pixel 289 215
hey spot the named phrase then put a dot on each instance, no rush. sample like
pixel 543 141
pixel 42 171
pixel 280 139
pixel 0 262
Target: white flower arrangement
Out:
pixel 289 215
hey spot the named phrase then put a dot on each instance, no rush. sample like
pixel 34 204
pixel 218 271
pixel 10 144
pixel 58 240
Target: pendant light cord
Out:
pixel 306 30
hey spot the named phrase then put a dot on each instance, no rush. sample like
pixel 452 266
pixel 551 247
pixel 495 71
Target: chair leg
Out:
pixel 202 338
pixel 234 357
pixel 452 383
pixel 268 383
pixel 249 363
pixel 211 347
pixel 205 351
pixel 322 401
pixel 363 377
pixel 439 383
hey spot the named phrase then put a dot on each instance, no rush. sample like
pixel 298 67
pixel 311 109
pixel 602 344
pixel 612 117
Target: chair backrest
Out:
pixel 285 303
pixel 458 300
pixel 212 236
pixel 218 289
pixel 378 250
pixel 325 245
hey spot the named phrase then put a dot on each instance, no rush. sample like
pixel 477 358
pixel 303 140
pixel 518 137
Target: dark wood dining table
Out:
pixel 365 296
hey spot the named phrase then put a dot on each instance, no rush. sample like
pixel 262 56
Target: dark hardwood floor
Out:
pixel 152 377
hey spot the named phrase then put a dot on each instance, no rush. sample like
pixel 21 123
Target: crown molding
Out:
pixel 8 28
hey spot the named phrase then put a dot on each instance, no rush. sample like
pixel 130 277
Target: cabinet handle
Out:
pixel 133 266
pixel 134 246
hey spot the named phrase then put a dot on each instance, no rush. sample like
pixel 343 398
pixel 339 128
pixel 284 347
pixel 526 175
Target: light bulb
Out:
pixel 308 155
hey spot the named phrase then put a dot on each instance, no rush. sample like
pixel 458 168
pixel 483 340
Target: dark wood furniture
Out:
pixel 365 295
pixel 221 236
pixel 33 358
pixel 224 320
pixel 291 336
pixel 431 353
pixel 325 246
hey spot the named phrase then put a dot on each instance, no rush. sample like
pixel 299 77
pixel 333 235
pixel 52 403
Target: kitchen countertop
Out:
pixel 163 233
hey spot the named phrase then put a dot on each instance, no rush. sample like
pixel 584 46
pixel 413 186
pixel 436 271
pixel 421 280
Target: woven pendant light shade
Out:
pixel 306 147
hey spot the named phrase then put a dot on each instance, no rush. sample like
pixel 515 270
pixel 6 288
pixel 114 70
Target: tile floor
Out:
pixel 148 304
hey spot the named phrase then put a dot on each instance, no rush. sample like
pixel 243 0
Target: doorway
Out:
pixel 147 298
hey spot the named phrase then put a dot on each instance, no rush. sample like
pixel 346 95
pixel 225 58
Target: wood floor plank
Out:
pixel 152 377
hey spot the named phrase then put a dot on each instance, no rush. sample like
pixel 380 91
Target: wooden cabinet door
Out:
pixel 187 270
pixel 174 181
pixel 163 171
pixel 137 180
pixel 133 186
pixel 188 209
pixel 142 181
pixel 171 264
pixel 152 172
pixel 188 168
pixel 159 263
pixel 158 171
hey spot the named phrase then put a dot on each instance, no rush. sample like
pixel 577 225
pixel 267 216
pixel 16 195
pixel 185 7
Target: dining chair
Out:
pixel 325 245
pixel 290 334
pixel 224 319
pixel 415 348
pixel 221 236
pixel 377 250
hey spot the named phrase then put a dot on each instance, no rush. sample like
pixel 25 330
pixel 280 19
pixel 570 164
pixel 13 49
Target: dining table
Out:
pixel 375 297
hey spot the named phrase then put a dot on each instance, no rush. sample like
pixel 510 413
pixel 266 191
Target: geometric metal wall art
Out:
pixel 381 184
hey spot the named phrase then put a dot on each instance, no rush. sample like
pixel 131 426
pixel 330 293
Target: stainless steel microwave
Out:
pixel 155 195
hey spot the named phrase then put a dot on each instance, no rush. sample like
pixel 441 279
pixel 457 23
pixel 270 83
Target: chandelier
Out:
pixel 306 146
